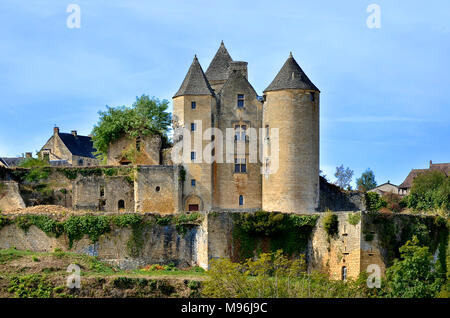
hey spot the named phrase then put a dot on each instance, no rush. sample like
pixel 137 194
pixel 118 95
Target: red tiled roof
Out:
pixel 444 167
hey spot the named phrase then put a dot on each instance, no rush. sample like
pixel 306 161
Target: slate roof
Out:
pixel 78 145
pixel 12 162
pixel 195 82
pixel 291 76
pixel 218 69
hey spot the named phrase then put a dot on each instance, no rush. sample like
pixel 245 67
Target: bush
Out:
pixel 430 191
pixel 393 201
pixel 415 275
pixel 374 202
pixel 330 223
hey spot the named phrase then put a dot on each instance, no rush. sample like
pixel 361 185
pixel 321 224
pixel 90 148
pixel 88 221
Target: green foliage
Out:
pixel 30 286
pixel 367 181
pixel 289 232
pixel 43 222
pixel 354 218
pixel 330 223
pixel 430 191
pixel 393 201
pixel 374 202
pixel 124 220
pixel 343 177
pixel 93 226
pixel 182 176
pixel 274 275
pixel 32 163
pixel 4 220
pixel 185 221
pixel 37 174
pixel 70 173
pixel 415 275
pixel 146 116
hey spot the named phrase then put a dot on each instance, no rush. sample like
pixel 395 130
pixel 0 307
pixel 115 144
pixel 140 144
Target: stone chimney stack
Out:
pixel 238 66
pixel 28 155
pixel 74 132
pixel 55 130
pixel 431 162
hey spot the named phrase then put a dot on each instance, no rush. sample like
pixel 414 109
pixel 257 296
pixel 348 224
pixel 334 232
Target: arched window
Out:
pixel 121 205
pixel 344 273
pixel 241 200
pixel 80 162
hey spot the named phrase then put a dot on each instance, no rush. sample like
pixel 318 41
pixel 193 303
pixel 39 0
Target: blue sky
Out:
pixel 385 100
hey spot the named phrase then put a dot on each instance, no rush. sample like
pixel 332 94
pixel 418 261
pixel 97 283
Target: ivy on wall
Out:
pixel 261 231
pixel 77 226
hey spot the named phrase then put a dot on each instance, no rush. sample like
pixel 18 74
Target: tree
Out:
pixel 430 190
pixel 367 181
pixel 146 116
pixel 344 177
pixel 415 275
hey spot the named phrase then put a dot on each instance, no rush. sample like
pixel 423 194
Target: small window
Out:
pixel 193 155
pixel 138 144
pixel 267 131
pixel 121 205
pixel 241 200
pixel 193 105
pixel 102 191
pixel 313 97
pixel 157 189
pixel 80 162
pixel 240 165
pixel 193 182
pixel 344 273
pixel 193 126
pixel 240 100
pixel 193 207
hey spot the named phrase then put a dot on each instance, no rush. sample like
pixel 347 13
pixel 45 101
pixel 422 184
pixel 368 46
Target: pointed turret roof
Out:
pixel 195 82
pixel 291 76
pixel 218 69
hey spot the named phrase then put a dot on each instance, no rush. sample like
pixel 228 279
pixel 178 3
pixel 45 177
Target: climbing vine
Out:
pixel 289 232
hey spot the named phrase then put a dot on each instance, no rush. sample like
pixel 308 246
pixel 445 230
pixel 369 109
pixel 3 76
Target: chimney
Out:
pixel 431 162
pixel 238 66
pixel 28 155
pixel 55 130
pixel 74 132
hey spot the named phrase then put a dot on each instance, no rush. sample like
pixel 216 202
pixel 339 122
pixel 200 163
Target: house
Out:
pixel 11 162
pixel 406 185
pixel 385 188
pixel 69 149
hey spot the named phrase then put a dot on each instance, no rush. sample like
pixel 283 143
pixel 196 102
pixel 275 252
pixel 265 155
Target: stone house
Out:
pixel 69 149
pixel 406 185
pixel 385 188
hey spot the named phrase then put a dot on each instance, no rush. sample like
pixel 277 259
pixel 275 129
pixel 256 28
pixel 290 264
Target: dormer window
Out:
pixel 193 105
pixel 240 100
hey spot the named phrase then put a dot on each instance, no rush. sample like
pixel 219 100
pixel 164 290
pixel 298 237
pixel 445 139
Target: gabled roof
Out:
pixel 218 69
pixel 195 82
pixel 291 76
pixel 78 145
pixel 443 167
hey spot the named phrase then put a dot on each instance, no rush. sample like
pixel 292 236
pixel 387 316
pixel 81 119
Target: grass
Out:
pixel 92 266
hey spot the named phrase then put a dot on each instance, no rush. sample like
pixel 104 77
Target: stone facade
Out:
pixel 144 150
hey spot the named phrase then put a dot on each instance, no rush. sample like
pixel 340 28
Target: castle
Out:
pixel 221 99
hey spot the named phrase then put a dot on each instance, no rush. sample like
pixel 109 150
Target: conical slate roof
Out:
pixel 291 76
pixel 218 69
pixel 195 82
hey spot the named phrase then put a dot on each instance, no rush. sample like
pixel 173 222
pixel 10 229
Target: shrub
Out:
pixel 354 218
pixel 330 223
pixel 374 202
pixel 430 191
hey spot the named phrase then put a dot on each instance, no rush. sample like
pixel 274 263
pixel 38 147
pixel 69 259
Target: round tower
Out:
pixel 291 145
